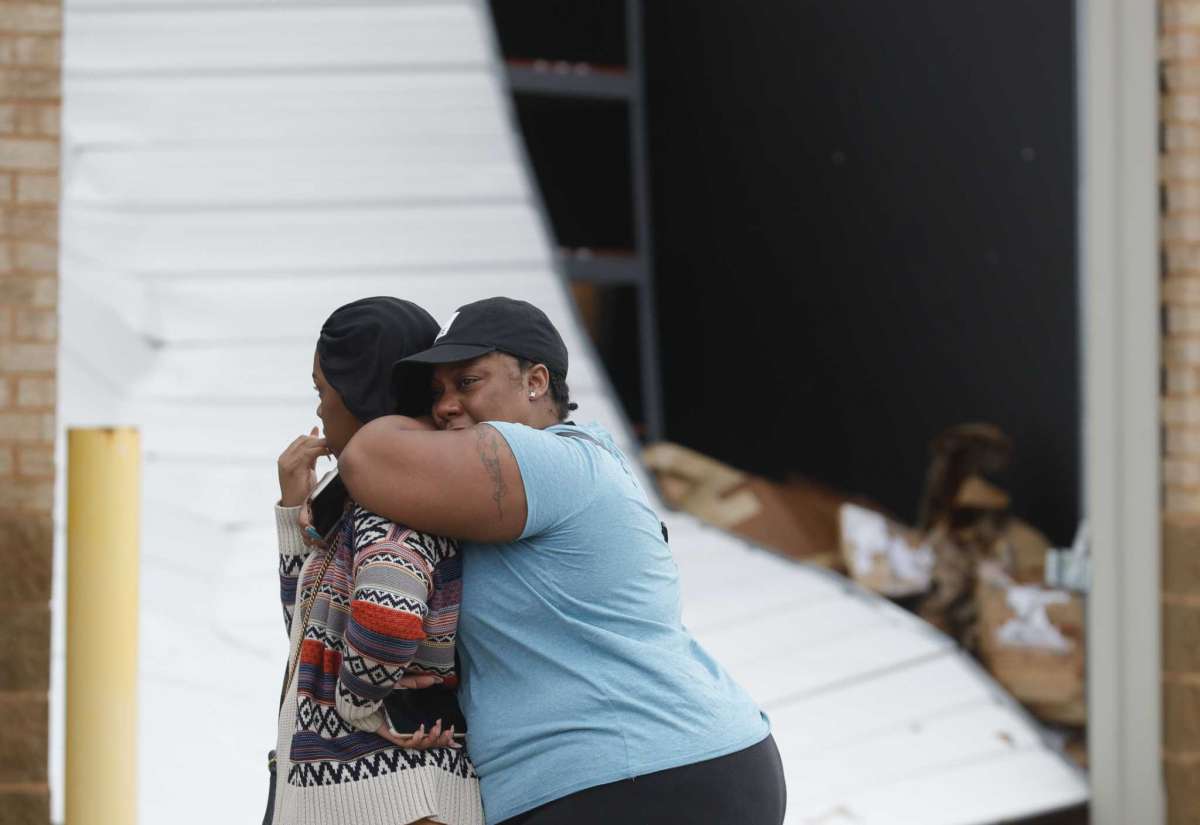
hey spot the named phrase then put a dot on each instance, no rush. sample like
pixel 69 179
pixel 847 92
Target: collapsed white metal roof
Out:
pixel 235 171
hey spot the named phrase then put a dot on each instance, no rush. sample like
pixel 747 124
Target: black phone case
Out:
pixel 407 710
pixel 327 507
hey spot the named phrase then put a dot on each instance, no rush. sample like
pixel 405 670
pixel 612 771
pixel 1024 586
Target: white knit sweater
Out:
pixel 372 782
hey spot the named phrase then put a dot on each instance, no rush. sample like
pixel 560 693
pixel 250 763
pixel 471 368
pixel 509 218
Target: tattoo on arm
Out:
pixel 489 454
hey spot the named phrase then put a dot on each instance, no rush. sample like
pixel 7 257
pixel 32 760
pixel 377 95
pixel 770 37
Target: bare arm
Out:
pixel 464 484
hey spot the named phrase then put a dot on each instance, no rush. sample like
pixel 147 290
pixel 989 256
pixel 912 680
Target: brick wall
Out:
pixel 1179 51
pixel 30 47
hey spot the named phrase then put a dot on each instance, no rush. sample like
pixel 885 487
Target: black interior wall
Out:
pixel 865 228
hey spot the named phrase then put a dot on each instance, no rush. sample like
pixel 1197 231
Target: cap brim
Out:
pixel 447 354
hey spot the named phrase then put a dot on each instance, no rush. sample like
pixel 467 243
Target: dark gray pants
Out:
pixel 742 788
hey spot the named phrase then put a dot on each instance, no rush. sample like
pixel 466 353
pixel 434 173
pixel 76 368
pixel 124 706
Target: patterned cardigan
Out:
pixel 387 605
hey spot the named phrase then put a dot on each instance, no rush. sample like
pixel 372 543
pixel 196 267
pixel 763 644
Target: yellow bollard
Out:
pixel 103 525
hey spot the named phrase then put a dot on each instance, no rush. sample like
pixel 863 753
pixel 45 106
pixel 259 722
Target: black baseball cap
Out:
pixel 505 325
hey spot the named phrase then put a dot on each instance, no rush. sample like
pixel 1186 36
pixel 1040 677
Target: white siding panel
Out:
pixel 978 733
pixel 310 38
pixel 902 696
pixel 304 239
pixel 460 168
pixel 289 110
pixel 1001 789
pixel 193 310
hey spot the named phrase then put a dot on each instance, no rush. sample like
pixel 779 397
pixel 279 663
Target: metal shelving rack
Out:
pixel 634 268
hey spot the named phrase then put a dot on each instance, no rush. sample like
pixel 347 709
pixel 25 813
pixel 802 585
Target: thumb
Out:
pixel 314 432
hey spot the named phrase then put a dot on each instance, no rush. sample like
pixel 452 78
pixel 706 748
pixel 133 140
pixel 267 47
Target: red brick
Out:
pixel 27 551
pixel 1181 637
pixel 25 804
pixel 37 50
pixel 37 257
pixel 34 495
pixel 1177 14
pixel 1178 351
pixel 29 84
pixel 40 120
pixel 1183 137
pixel 35 462
pixel 19 356
pixel 1181 558
pixel 1182 257
pixel 1180 319
pixel 1175 289
pixel 24 737
pixel 16 153
pixel 39 189
pixel 34 223
pixel 1181 501
pixel 27 427
pixel 35 325
pixel 1182 774
pixel 1183 381
pixel 1179 45
pixel 25 648
pixel 1182 472
pixel 40 392
pixel 26 291
pixel 38 18
pixel 1181 410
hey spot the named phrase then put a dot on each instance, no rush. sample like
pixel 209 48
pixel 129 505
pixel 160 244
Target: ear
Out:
pixel 537 381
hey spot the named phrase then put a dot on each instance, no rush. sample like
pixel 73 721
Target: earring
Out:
pixel 531 395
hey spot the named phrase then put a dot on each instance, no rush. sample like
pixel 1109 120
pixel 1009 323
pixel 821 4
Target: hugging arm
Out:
pixel 464 484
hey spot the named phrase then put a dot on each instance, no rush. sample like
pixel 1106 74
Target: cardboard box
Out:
pixel 797 518
pixel 1032 640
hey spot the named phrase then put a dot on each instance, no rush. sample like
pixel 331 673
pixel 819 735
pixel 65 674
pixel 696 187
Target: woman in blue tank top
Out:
pixel 587 699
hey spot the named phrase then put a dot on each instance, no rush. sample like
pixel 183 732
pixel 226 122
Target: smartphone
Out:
pixel 407 710
pixel 327 503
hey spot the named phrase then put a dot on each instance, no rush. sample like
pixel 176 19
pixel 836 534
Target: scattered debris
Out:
pixel 1032 640
pixel 971 568
pixel 797 518
pixel 882 555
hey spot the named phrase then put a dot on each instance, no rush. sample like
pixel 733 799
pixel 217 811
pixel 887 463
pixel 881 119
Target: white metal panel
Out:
pixel 309 239
pixel 292 306
pixel 982 732
pixel 287 110
pixel 1000 789
pixel 459 168
pixel 310 38
pixel 865 709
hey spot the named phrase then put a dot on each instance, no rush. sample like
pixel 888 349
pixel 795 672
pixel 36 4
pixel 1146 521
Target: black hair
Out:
pixel 560 393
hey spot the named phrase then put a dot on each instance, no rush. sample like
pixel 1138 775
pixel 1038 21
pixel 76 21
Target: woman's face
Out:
pixel 337 423
pixel 489 388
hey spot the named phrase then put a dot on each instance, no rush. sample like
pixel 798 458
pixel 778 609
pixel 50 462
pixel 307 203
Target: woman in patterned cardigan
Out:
pixel 383 614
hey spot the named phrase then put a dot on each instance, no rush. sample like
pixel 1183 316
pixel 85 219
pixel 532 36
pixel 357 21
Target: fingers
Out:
pixel 415 681
pixel 422 739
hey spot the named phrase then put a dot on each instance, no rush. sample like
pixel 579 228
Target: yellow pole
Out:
pixel 103 514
